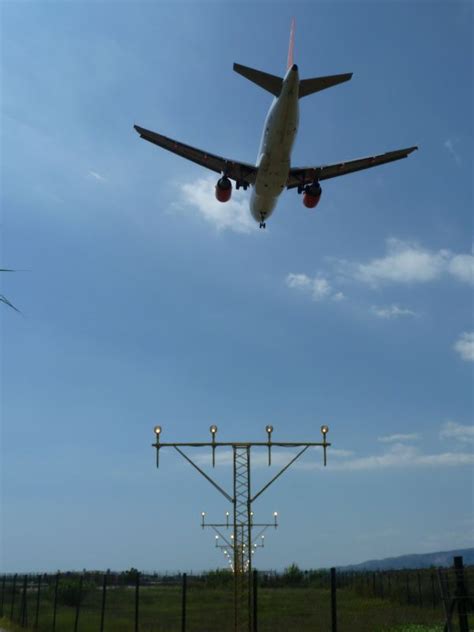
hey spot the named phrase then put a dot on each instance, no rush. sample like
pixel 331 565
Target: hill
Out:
pixel 416 560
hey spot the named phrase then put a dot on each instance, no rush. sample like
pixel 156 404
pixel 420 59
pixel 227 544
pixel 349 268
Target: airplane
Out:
pixel 273 172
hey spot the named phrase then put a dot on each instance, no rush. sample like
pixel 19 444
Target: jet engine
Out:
pixel 223 189
pixel 312 194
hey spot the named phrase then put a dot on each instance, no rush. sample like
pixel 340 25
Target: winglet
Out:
pixel 291 46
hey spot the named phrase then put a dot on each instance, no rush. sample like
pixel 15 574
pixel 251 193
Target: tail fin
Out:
pixel 309 86
pixel 262 79
pixel 291 46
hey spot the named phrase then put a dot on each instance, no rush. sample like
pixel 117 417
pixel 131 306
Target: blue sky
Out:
pixel 144 301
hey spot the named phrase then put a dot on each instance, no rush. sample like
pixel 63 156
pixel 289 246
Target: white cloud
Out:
pixel 96 176
pixel 465 346
pixel 232 215
pixel 399 437
pixel 298 281
pixel 404 263
pixel 392 311
pixel 403 456
pixel 462 267
pixel 453 430
pixel 319 288
pixel 449 145
pixel 408 263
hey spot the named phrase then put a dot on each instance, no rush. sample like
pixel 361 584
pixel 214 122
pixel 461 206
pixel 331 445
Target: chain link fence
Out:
pixel 295 600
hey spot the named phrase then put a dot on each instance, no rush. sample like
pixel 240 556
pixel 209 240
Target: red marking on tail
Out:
pixel 292 44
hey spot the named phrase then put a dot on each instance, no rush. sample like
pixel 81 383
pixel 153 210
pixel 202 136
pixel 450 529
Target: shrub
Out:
pixel 70 592
pixel 293 575
pixel 219 578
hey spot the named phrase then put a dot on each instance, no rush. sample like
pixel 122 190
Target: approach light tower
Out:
pixel 226 544
pixel 241 499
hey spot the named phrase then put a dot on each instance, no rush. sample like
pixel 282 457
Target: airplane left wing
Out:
pixel 300 176
pixel 241 172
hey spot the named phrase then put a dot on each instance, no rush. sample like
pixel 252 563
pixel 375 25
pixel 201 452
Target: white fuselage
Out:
pixel 273 159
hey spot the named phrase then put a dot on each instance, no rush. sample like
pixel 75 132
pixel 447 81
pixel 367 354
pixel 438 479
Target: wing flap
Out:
pixel 300 176
pixel 239 171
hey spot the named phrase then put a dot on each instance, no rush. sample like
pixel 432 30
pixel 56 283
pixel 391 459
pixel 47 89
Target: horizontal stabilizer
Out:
pixel 262 79
pixel 308 86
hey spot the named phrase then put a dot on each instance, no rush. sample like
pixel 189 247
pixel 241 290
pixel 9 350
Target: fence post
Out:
pixel 255 600
pixel 38 593
pixel 137 600
pixel 3 595
pixel 444 590
pixel 333 601
pixel 4 579
pixel 78 604
pixel 23 608
pixel 420 593
pixel 183 604
pixel 13 598
pixel 55 603
pixel 461 594
pixel 104 594
pixel 433 593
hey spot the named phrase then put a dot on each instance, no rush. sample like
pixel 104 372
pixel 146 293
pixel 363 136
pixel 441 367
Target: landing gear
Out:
pixel 262 225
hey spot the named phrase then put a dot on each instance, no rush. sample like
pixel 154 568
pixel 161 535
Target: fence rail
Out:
pixel 132 601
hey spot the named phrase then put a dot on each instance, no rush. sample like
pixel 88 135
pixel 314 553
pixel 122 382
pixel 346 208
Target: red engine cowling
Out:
pixel 312 195
pixel 223 189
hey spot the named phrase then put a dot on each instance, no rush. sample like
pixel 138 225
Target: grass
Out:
pixel 211 610
pixel 417 628
pixel 5 624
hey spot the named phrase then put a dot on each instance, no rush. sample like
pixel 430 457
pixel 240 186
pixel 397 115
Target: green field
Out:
pixel 210 610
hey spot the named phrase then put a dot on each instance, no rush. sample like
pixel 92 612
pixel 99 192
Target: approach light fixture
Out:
pixel 269 430
pixel 157 431
pixel 213 431
pixel 324 431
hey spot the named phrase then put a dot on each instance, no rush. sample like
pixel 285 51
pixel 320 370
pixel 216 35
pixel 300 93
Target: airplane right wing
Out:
pixel 241 172
pixel 300 176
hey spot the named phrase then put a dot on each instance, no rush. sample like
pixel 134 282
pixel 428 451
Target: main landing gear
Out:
pixel 262 225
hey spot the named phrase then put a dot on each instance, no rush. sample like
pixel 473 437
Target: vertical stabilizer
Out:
pixel 292 45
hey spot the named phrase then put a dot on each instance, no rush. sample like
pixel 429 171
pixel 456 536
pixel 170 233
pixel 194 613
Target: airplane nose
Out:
pixel 294 68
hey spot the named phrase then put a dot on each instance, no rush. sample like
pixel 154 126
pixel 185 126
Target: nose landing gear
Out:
pixel 262 225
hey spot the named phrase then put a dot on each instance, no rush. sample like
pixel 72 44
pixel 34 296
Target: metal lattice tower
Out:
pixel 242 499
pixel 242 537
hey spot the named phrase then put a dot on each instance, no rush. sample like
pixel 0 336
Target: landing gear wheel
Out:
pixel 262 225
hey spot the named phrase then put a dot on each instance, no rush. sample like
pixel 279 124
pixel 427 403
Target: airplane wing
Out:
pixel 299 176
pixel 241 172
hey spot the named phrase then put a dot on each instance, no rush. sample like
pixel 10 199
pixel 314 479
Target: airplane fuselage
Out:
pixel 273 161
